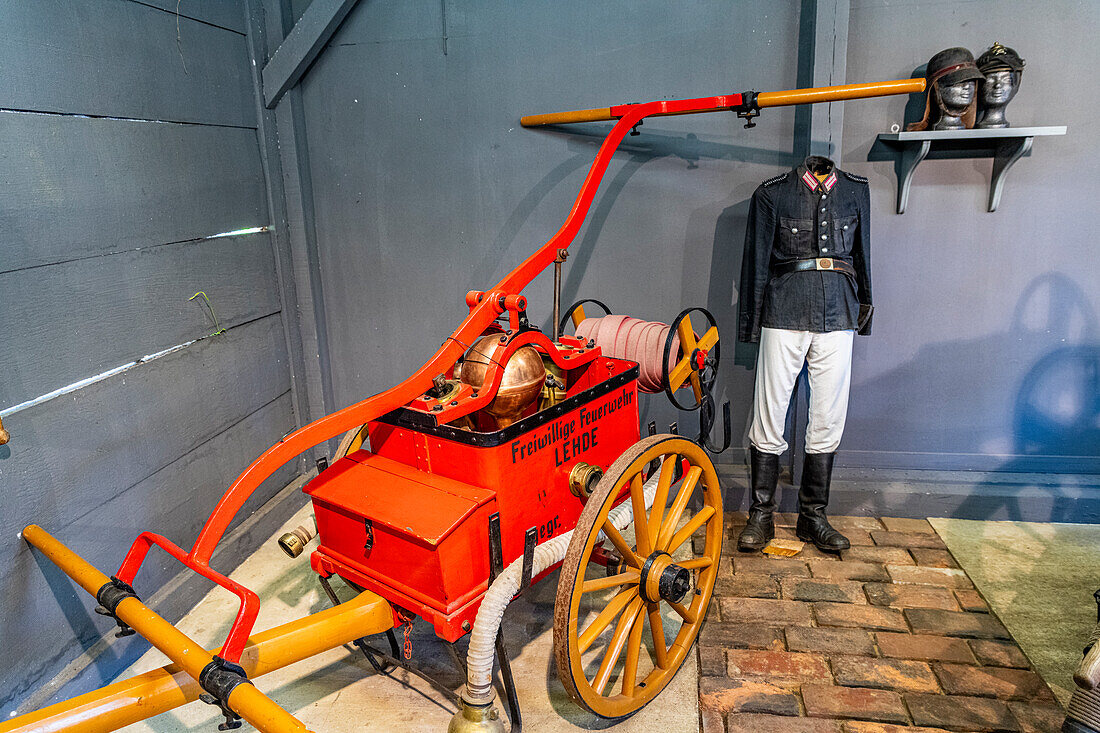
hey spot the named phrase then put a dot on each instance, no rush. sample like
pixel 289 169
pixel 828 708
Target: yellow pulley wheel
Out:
pixel 698 362
pixel 609 662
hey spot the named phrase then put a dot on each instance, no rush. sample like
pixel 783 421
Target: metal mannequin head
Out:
pixel 952 91
pixel 954 102
pixel 1003 69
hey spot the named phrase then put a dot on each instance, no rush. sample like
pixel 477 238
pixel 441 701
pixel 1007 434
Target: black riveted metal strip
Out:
pixel 423 422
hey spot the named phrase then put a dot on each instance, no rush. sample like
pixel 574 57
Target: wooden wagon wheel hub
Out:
pixel 663 580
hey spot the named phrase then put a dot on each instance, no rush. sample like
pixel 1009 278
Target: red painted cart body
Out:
pixel 409 519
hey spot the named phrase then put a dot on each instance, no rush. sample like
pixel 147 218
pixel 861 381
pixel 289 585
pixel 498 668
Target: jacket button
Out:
pixel 824 249
pixel 823 210
pixel 825 223
pixel 845 227
pixel 824 236
pixel 823 197
pixel 794 230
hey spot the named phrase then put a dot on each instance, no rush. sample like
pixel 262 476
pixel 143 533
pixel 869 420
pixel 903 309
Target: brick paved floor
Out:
pixel 891 636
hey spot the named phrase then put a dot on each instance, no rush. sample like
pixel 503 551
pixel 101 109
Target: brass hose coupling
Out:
pixel 295 541
pixel 583 478
pixel 477 717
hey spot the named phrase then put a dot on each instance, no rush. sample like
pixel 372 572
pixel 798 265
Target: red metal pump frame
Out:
pixel 485 308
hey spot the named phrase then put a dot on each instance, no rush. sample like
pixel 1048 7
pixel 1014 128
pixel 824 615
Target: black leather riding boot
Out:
pixel 761 525
pixel 813 497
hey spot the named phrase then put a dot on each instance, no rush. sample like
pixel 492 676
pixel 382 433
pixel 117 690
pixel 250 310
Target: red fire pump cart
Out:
pixel 509 453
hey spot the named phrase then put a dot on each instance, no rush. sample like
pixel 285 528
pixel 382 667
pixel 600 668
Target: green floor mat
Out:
pixel 1039 579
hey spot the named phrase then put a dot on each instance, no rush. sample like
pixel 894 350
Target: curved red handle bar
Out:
pixel 482 314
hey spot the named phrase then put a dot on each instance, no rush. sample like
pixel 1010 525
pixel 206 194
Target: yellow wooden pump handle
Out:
pixel 727 102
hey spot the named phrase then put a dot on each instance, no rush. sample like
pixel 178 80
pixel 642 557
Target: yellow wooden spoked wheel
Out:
pixel 607 660
pixel 351 442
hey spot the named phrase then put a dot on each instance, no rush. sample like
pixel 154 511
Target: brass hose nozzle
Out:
pixel 294 542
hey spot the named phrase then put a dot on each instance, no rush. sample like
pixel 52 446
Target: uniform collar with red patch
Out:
pixel 814 185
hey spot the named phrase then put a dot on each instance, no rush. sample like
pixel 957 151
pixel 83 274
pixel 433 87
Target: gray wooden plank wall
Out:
pixel 130 142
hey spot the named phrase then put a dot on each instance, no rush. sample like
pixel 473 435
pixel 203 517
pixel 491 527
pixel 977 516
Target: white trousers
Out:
pixel 778 364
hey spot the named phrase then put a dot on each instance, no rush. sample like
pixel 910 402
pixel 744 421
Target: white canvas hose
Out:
pixel 482 652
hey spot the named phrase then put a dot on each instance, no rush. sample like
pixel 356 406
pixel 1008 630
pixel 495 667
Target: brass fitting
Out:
pixel 583 478
pixel 295 541
pixel 477 718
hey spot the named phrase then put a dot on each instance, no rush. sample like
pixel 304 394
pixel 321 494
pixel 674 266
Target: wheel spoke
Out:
pixel 657 627
pixel 710 338
pixel 668 526
pixel 697 563
pixel 687 335
pixel 633 651
pixel 620 544
pixel 696 385
pixel 615 647
pixel 637 501
pixel 613 581
pixel 605 617
pixel 688 529
pixel 660 498
pixel 685 613
pixel 683 369
pixel 578 315
pixel 679 372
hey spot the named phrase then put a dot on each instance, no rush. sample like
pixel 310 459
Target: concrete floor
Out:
pixel 1039 579
pixel 339 691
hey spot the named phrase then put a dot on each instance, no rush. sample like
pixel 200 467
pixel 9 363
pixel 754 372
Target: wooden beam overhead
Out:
pixel 302 46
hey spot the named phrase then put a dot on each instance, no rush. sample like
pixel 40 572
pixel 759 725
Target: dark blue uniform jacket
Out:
pixel 795 216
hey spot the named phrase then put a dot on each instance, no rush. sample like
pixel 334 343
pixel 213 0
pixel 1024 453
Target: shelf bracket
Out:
pixel 1004 145
pixel 908 159
pixel 1007 153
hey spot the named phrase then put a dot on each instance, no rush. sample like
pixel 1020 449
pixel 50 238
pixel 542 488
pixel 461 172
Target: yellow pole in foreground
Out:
pixel 145 695
pixel 246 700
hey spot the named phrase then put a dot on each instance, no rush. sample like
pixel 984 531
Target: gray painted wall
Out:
pixel 426 186
pixel 985 346
pixel 131 137
pixel 986 340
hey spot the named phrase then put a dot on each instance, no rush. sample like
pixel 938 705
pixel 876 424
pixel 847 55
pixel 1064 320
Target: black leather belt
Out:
pixel 816 263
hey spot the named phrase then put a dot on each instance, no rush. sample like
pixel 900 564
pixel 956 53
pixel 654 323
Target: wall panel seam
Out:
pixel 181 14
pixel 123 368
pixel 85 115
pixel 169 464
pixel 114 253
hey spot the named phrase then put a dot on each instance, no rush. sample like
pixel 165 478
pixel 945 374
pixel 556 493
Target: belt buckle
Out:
pixel 824 263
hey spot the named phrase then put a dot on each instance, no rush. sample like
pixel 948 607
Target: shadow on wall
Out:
pixel 583 140
pixel 725 273
pixel 1052 425
pixel 1057 413
pixel 641 148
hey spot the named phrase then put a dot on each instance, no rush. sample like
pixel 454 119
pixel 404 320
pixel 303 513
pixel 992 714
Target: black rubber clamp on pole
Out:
pixel 219 679
pixel 109 596
pixel 748 108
